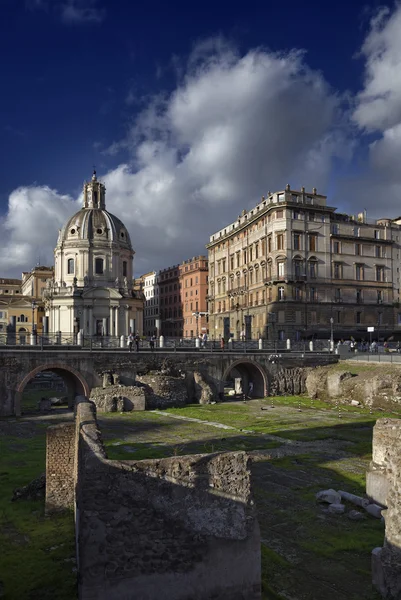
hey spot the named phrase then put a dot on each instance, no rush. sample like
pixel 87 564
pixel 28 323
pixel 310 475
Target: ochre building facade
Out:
pixel 294 268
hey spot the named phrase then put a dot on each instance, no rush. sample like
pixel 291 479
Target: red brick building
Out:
pixel 193 275
pixel 171 318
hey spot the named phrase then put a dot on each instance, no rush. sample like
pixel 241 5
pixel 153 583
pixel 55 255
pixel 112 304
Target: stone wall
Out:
pixel 82 371
pixel 163 391
pixel 384 486
pixel 60 452
pixel 181 528
pixel 118 398
pixel 378 386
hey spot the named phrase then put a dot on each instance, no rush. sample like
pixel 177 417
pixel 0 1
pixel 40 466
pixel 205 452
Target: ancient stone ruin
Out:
pixel 383 485
pixel 157 388
pixel 379 387
pixel 180 528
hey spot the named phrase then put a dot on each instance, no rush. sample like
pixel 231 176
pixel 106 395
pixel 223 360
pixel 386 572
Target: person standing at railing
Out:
pixel 222 343
pixel 152 343
pixel 137 339
pixel 130 341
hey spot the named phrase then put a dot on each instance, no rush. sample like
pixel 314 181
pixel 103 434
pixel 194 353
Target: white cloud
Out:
pixel 29 230
pixel 378 104
pixel 378 113
pixel 235 127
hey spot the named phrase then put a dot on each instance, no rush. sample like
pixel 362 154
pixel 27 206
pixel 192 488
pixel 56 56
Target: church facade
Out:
pixel 92 289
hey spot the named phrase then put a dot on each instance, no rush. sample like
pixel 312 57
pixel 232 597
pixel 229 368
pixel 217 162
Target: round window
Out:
pixel 99 231
pixel 122 234
pixel 72 231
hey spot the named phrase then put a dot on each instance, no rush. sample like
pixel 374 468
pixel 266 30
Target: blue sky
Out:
pixel 190 112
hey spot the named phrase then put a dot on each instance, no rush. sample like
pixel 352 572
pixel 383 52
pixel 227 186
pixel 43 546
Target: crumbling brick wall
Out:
pixel 180 528
pixel 60 451
pixel 384 485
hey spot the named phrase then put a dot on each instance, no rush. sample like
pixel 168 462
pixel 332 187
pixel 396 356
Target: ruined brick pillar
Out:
pixel 384 486
pixel 60 452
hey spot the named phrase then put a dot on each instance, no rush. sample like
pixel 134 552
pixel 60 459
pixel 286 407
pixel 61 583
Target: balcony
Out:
pixel 237 291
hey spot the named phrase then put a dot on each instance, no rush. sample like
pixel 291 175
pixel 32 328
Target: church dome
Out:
pixel 95 224
pixel 94 246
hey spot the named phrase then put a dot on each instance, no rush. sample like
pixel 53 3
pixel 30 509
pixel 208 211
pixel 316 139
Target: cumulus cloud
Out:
pixel 234 128
pixel 378 113
pixel 378 104
pixel 29 230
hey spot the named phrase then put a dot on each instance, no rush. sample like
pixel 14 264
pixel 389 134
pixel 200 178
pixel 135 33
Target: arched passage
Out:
pixel 248 371
pixel 76 384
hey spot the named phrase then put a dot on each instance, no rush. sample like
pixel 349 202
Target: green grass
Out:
pixel 31 398
pixel 29 569
pixel 341 536
pixel 270 561
pixel 117 450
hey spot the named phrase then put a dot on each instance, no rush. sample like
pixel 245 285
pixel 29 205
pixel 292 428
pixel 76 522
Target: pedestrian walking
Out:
pixel 130 341
pixel 152 343
pixel 137 339
pixel 204 340
pixel 250 389
pixel 222 343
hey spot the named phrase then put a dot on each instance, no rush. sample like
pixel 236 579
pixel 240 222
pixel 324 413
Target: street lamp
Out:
pixel 34 305
pixel 331 335
pixel 198 314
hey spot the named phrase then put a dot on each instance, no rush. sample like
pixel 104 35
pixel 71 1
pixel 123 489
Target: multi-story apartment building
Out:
pixel 8 287
pixel 34 282
pixel 193 284
pixel 22 299
pixel 150 288
pixel 294 268
pixel 170 302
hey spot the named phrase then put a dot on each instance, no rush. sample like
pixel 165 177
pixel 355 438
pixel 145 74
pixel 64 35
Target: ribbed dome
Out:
pixel 95 224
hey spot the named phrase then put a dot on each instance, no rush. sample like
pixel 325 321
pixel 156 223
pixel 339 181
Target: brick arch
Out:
pixel 245 361
pixel 48 367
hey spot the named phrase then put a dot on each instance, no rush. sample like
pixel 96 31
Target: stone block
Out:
pixel 374 510
pixel 330 496
pixel 334 381
pixel 377 486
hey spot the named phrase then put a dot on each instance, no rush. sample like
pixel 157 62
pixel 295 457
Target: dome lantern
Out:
pixel 94 193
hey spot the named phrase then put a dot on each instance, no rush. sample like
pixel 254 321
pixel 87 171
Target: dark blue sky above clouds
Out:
pixel 191 111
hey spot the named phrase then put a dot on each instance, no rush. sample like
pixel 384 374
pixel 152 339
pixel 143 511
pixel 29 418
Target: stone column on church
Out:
pixel 112 321
pixel 90 317
pixel 117 316
pixel 104 326
pixel 126 312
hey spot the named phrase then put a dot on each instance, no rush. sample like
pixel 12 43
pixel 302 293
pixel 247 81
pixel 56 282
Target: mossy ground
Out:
pixel 37 557
pixel 307 553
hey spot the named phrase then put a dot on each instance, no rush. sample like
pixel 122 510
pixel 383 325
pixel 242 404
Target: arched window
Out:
pixel 313 267
pixel 70 266
pixel 99 266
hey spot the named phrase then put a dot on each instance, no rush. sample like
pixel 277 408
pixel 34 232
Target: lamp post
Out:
pixel 33 316
pixel 331 335
pixel 198 314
